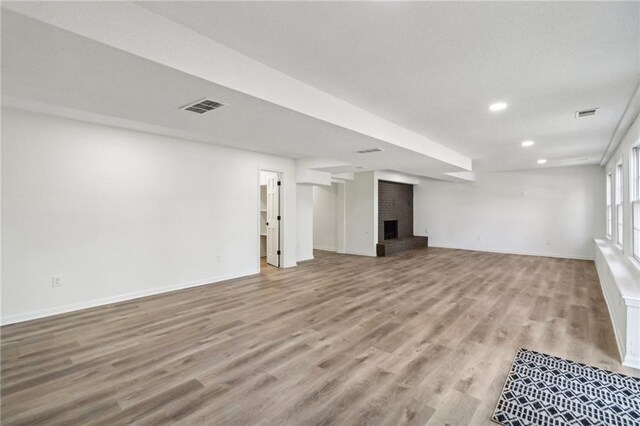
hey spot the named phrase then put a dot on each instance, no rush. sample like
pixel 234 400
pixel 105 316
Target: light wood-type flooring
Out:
pixel 423 337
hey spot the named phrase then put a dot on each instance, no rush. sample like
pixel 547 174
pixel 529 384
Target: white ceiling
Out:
pixel 434 67
pixel 430 67
pixel 50 70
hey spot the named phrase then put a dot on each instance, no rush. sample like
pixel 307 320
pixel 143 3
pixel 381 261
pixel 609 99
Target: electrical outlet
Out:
pixel 479 237
pixel 55 281
pixel 219 259
pixel 548 241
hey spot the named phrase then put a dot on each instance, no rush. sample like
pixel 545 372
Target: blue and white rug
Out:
pixel 545 390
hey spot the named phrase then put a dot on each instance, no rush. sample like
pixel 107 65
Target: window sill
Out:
pixel 624 270
pixel 620 283
pixel 635 263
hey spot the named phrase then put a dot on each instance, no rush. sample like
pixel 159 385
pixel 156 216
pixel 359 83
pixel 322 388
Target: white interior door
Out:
pixel 273 221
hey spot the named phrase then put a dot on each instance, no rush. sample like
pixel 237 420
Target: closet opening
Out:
pixel 270 219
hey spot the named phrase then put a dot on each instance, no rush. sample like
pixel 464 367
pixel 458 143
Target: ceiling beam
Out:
pixel 138 31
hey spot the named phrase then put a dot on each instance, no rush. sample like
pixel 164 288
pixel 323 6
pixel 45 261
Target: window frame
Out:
pixel 634 179
pixel 619 203
pixel 609 204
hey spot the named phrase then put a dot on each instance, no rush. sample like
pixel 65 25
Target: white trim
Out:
pixel 631 361
pixel 628 117
pixel 624 273
pixel 634 195
pixel 325 248
pixel 619 284
pixel 616 333
pixel 12 319
pixel 609 205
pixel 635 263
pixel 520 253
pixel 618 201
pixel 359 253
pixel 397 177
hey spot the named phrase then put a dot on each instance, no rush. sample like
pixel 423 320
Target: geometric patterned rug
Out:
pixel 545 390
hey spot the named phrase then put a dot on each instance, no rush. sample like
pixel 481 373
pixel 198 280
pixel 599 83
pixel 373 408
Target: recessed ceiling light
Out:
pixel 542 161
pixel 527 143
pixel 498 106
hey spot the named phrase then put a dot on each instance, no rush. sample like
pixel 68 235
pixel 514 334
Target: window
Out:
pixel 609 207
pixel 619 204
pixel 635 202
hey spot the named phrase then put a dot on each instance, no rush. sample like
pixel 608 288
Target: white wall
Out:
pixel 552 212
pixel 361 221
pixel 325 226
pixel 305 222
pixel 118 213
pixel 619 272
pixel 623 152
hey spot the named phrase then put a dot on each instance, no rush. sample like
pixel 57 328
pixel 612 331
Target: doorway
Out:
pixel 270 219
pixel 329 217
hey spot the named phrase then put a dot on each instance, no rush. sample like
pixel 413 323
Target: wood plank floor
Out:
pixel 423 337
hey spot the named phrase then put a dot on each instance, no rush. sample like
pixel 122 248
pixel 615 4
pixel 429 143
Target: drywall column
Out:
pixel 360 211
pixel 329 217
pixel 305 222
pixel 324 217
pixel 340 217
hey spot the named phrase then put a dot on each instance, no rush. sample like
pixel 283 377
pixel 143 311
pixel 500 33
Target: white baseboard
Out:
pixel 631 361
pixel 324 248
pixel 521 253
pixel 12 319
pixel 359 253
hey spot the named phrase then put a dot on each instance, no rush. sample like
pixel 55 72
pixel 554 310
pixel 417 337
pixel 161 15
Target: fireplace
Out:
pixel 395 219
pixel 390 229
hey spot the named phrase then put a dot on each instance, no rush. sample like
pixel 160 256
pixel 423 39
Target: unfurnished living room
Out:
pixel 320 213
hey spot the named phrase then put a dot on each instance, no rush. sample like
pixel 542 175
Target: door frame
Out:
pixel 281 224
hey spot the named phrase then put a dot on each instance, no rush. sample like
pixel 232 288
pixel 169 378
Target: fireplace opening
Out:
pixel 390 229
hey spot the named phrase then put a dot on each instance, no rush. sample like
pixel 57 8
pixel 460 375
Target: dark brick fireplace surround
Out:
pixel 395 203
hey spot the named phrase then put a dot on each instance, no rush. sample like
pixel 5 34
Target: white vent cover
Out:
pixel 368 151
pixel 586 112
pixel 202 106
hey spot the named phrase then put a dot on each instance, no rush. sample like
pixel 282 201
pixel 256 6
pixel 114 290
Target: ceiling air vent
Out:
pixel 202 106
pixel 586 112
pixel 369 151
